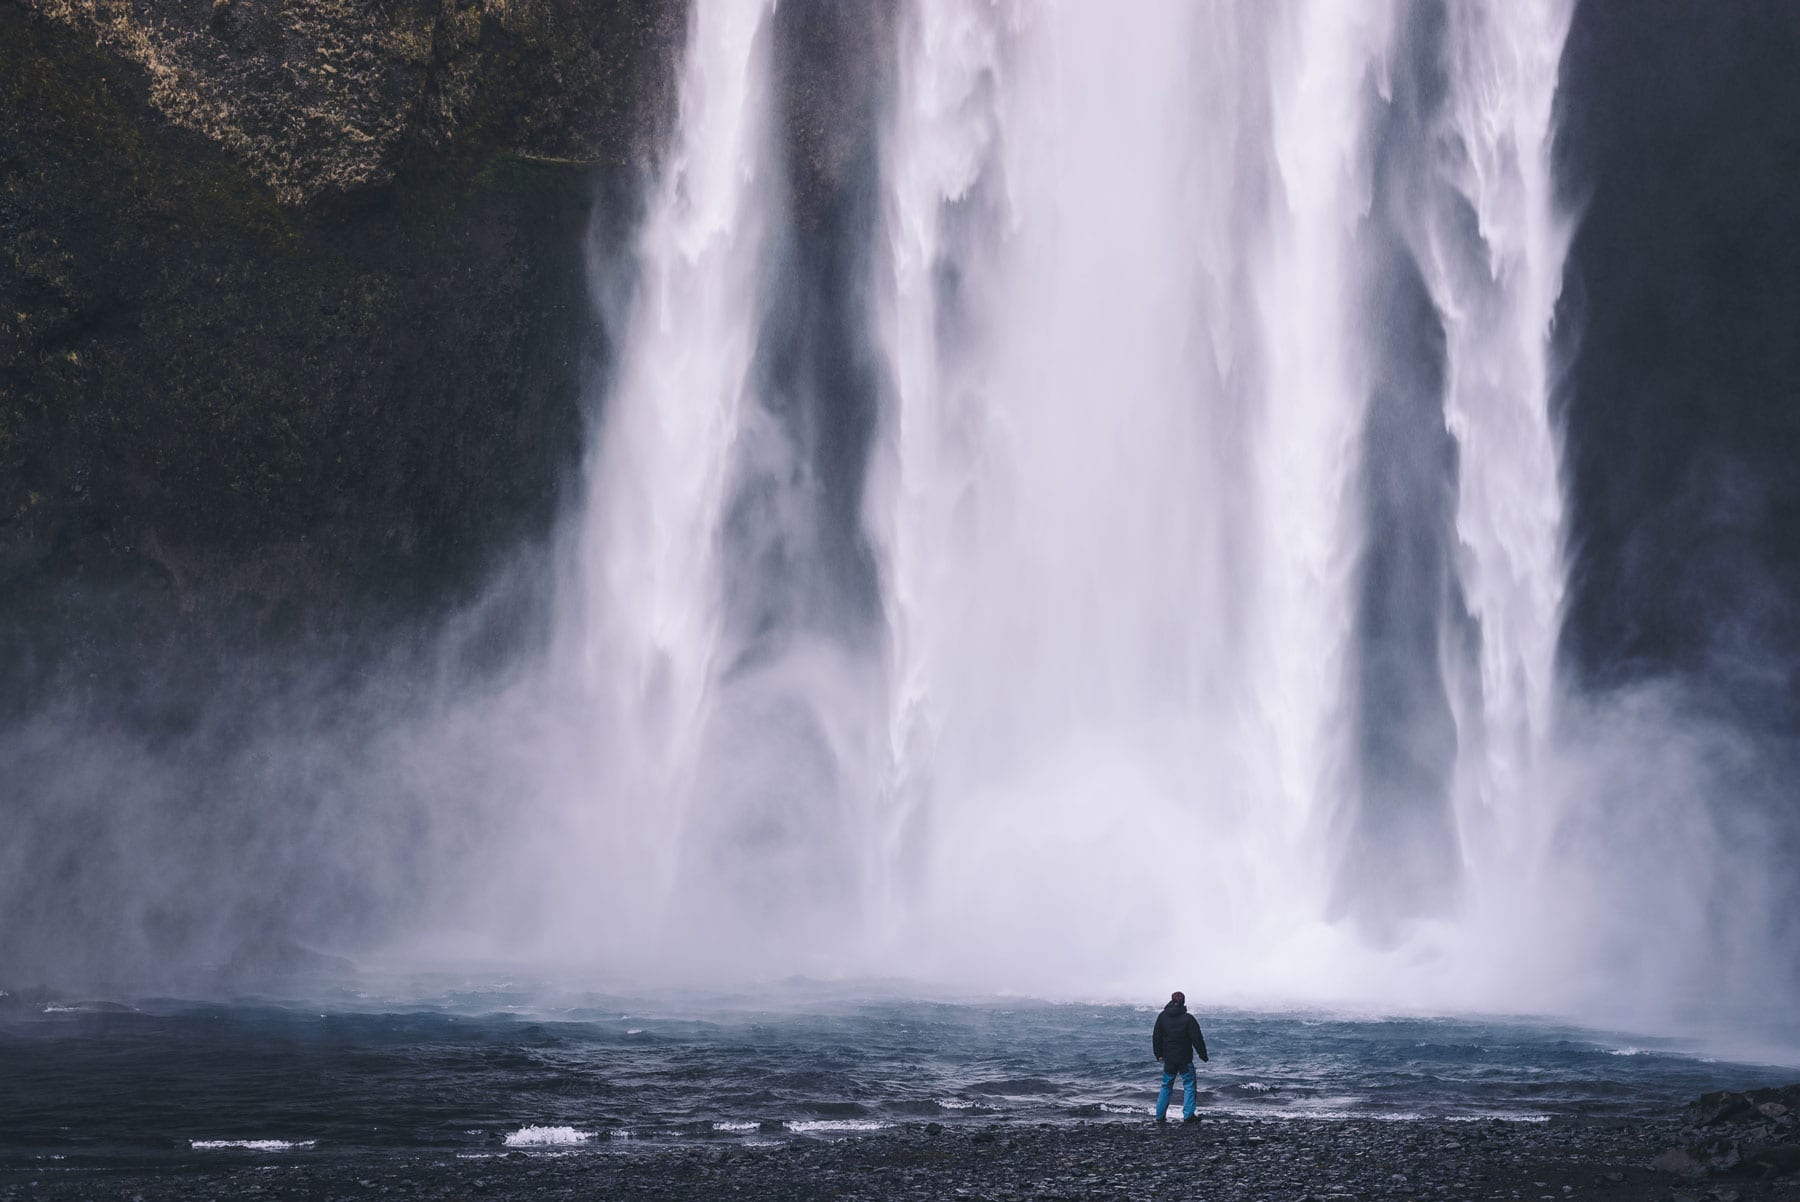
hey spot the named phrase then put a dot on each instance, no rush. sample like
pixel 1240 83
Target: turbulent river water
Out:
pixel 489 1066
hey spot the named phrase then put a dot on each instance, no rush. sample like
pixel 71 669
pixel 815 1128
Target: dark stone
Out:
pixel 1749 1134
pixel 255 393
pixel 1676 325
pixel 1351 1159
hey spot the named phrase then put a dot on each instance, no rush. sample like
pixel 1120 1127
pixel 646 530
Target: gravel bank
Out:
pixel 1215 1158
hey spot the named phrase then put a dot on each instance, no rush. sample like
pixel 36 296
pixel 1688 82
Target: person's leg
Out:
pixel 1162 1099
pixel 1187 1093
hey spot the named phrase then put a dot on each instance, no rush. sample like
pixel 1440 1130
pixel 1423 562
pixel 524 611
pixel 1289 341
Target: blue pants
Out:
pixel 1187 1090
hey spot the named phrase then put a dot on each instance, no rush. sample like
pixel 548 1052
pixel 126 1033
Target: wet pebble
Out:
pixel 1219 1158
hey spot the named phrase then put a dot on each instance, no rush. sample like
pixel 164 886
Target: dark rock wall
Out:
pixel 293 314
pixel 1678 334
pixel 1680 324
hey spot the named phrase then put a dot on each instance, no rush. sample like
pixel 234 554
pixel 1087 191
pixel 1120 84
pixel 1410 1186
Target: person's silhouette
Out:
pixel 1175 1041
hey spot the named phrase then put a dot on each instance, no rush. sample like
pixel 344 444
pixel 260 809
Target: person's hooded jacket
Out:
pixel 1177 1039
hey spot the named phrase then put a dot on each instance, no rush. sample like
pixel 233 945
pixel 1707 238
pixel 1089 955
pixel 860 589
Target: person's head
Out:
pixel 1178 997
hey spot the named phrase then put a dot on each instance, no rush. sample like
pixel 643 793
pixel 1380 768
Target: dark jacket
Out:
pixel 1177 1037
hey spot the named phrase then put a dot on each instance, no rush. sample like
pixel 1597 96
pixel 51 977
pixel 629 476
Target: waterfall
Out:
pixel 643 620
pixel 1491 242
pixel 1211 504
pixel 1495 243
pixel 1121 442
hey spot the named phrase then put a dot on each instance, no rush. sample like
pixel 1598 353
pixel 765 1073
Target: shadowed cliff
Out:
pixel 294 321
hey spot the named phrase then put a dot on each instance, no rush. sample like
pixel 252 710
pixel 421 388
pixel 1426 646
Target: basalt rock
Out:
pixel 316 97
pixel 295 330
pixel 1749 1134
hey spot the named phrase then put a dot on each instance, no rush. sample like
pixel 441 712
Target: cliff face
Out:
pixel 315 97
pixel 293 311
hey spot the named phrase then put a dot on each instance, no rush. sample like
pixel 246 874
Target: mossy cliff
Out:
pixel 293 310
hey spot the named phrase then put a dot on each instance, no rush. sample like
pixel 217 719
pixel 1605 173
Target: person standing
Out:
pixel 1175 1041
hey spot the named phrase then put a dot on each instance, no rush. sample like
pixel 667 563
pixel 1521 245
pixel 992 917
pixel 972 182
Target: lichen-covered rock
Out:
pixel 318 97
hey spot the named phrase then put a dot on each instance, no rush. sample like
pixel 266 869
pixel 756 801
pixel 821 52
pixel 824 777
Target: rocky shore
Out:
pixel 1753 1134
pixel 1215 1158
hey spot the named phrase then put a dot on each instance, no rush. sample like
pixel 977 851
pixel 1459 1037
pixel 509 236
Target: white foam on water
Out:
pixel 802 1126
pixel 252 1145
pixel 956 1104
pixel 547 1137
pixel 735 1126
pixel 634 1030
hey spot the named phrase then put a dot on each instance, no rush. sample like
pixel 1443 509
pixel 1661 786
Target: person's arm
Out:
pixel 1156 1046
pixel 1199 1039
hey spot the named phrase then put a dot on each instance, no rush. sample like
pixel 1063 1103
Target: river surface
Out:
pixel 483 1067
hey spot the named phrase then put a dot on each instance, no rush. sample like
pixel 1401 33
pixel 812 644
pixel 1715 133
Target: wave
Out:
pixel 547 1137
pixel 1092 1109
pixel 252 1145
